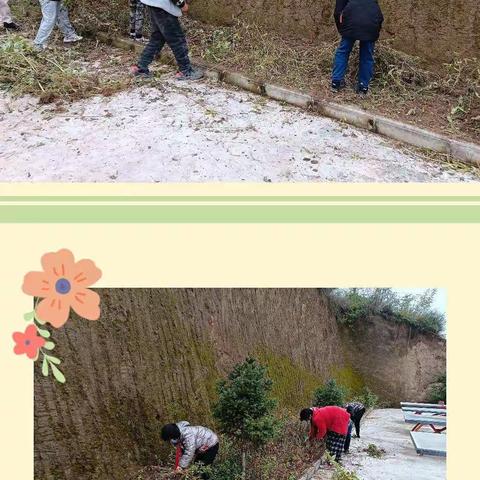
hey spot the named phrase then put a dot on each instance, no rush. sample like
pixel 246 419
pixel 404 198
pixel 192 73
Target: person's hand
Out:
pixel 185 8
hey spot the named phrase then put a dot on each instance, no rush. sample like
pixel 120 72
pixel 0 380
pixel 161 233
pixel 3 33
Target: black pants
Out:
pixel 356 417
pixel 207 457
pixel 166 28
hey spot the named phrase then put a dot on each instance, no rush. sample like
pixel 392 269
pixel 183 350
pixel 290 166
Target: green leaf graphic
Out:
pixel 40 321
pixel 45 367
pixel 55 360
pixel 29 316
pixel 57 374
pixel 43 333
pixel 49 346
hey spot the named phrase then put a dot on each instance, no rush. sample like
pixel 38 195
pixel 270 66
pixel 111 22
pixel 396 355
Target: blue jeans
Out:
pixel 166 28
pixel 53 13
pixel 367 62
pixel 348 438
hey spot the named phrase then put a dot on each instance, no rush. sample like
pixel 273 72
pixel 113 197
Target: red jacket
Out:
pixel 329 419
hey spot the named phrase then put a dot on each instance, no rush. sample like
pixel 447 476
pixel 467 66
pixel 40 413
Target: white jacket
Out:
pixel 166 5
pixel 194 440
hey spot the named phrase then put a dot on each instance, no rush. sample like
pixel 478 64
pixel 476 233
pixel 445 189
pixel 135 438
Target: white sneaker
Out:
pixel 72 38
pixel 40 48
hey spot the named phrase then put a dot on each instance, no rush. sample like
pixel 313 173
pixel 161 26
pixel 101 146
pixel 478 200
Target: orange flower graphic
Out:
pixel 63 285
pixel 29 342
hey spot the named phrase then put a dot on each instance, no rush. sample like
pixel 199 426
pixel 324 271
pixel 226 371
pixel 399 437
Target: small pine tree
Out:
pixel 329 394
pixel 244 409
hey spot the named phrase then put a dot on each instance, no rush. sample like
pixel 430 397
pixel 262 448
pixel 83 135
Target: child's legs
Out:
pixel 137 9
pixel 156 42
pixel 340 62
pixel 49 18
pixel 63 21
pixel 133 14
pixel 367 63
pixel 139 19
pixel 5 15
pixel 175 38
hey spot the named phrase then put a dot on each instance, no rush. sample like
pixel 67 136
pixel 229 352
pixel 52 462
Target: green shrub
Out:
pixel 367 398
pixel 355 304
pixel 339 472
pixel 354 307
pixel 438 390
pixel 330 394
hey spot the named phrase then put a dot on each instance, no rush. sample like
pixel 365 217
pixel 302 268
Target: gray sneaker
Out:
pixel 40 47
pixel 72 38
pixel 192 75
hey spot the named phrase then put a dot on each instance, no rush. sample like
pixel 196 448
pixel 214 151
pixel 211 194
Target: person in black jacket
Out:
pixel 357 411
pixel 356 20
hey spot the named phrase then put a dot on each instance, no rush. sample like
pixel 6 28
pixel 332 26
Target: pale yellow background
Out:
pixel 250 255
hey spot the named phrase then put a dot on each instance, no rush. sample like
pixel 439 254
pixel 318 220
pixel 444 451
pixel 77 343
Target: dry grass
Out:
pixel 447 100
pixel 52 75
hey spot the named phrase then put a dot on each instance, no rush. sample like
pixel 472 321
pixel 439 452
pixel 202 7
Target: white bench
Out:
pixel 429 443
pixel 438 423
pixel 423 405
pixel 434 411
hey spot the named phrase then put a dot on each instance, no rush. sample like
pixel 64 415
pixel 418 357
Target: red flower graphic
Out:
pixel 28 342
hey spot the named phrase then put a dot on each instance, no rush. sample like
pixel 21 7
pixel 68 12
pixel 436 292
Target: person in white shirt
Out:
pixel 195 444
pixel 166 28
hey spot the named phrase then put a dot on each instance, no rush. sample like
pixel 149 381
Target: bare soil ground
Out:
pixel 75 115
pixel 170 132
pixel 442 97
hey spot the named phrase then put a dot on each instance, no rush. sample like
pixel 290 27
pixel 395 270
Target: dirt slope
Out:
pixel 162 351
pixel 432 30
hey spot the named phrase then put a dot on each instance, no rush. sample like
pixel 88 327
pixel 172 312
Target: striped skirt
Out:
pixel 335 443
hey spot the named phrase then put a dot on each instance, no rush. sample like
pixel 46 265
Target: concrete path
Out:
pixel 196 133
pixel 386 429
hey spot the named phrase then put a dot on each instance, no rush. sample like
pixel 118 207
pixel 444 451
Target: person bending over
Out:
pixel 356 411
pixel 330 423
pixel 194 444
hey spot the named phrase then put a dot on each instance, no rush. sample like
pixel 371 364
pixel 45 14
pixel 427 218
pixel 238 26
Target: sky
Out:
pixel 440 301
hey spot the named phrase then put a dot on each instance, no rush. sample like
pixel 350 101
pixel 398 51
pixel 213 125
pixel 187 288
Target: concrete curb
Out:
pixel 403 132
